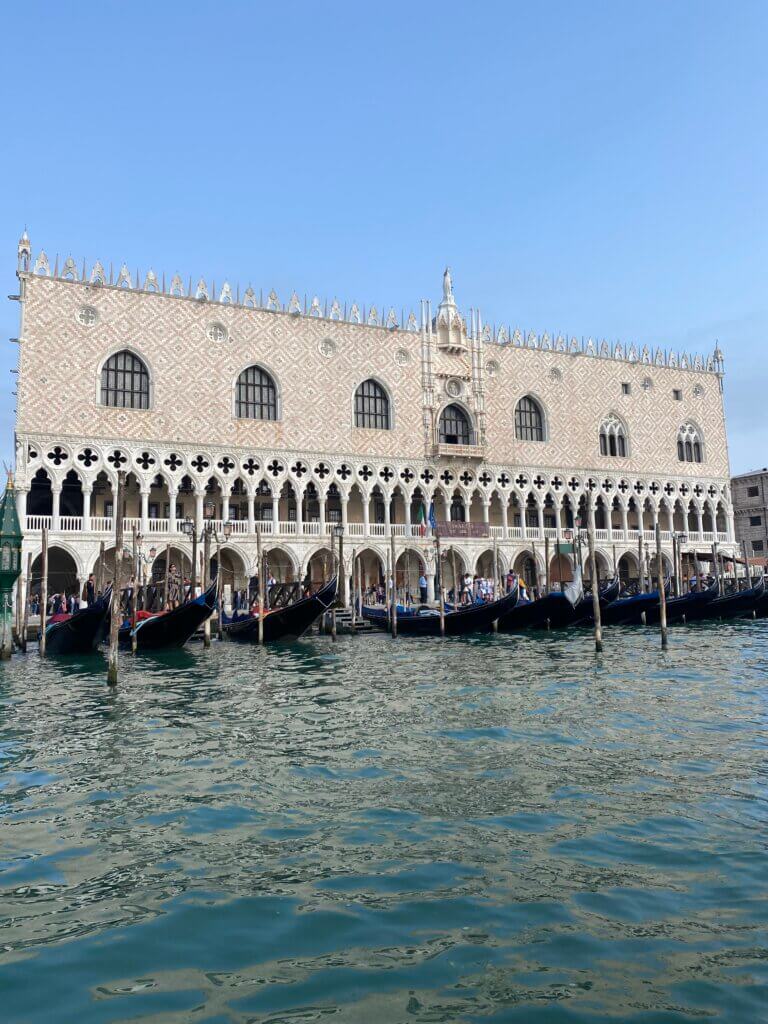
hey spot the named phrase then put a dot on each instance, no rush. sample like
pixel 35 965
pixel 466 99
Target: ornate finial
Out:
pixel 447 286
pixel 24 252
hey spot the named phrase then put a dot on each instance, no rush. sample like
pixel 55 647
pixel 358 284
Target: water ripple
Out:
pixel 495 829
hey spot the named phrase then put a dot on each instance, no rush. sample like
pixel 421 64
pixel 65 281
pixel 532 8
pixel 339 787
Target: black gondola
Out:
pixel 473 618
pixel 733 606
pixel 288 623
pixel 584 613
pixel 82 632
pixel 688 607
pixel 173 628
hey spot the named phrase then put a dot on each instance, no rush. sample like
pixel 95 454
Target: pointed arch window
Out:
pixel 690 444
pixel 255 395
pixel 529 420
pixel 124 382
pixel 454 426
pixel 613 437
pixel 372 406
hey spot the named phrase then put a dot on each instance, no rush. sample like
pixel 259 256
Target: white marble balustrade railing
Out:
pixel 404 531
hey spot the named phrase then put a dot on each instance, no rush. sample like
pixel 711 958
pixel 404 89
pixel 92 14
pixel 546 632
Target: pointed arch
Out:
pixel 372 405
pixel 124 381
pixel 529 419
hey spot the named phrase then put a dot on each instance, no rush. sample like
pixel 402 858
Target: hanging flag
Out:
pixel 432 518
pixel 422 520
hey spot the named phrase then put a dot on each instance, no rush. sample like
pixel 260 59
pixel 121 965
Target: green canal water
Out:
pixel 491 829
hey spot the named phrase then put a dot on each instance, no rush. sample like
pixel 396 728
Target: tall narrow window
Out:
pixel 454 426
pixel 529 421
pixel 690 446
pixel 372 406
pixel 125 382
pixel 255 395
pixel 613 437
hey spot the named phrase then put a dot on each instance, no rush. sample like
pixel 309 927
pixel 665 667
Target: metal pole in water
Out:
pixel 220 591
pixel 662 594
pixel 43 590
pixel 114 621
pixel 595 584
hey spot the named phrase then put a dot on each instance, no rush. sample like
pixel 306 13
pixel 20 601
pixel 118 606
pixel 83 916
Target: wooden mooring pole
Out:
pixel 595 581
pixel 662 593
pixel 206 580
pixel 27 598
pixel 220 591
pixel 43 589
pixel 441 588
pixel 262 584
pixel 114 621
pixel 394 586
pixel 354 582
pixel 134 590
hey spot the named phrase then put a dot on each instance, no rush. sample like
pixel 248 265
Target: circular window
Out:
pixel 87 315
pixel 217 332
pixel 402 357
pixel 327 347
pixel 491 367
pixel 453 387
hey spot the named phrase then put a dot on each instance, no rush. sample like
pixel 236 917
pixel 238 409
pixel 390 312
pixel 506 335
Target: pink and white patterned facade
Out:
pixel 189 455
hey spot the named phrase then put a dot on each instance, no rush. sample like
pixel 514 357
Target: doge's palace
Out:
pixel 294 418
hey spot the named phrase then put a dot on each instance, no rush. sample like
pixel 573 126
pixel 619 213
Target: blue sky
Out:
pixel 596 168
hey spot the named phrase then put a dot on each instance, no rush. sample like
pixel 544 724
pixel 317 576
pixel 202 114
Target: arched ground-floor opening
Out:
pixel 604 570
pixel 628 569
pixel 62 573
pixel 452 569
pixel 667 570
pixel 490 566
pixel 320 569
pixel 560 569
pixel 525 567
pixel 180 563
pixel 368 573
pixel 408 568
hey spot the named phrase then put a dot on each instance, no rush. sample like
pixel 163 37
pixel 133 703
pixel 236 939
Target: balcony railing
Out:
pixel 104 525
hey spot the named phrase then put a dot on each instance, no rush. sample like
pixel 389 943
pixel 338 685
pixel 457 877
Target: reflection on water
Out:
pixel 492 829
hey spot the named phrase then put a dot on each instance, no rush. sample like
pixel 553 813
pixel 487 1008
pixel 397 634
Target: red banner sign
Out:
pixel 459 529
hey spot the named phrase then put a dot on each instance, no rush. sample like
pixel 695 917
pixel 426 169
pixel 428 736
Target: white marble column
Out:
pixel 275 512
pixel 322 503
pixel 21 508
pixel 387 513
pixel 225 506
pixel 199 499
pixel 366 514
pixel 486 512
pixel 625 522
pixel 540 519
pixel 144 511
pixel 504 520
pixel 699 521
pixel 87 491
pixel 172 495
pixel 407 509
pixel 251 512
pixel 56 511
pixel 299 513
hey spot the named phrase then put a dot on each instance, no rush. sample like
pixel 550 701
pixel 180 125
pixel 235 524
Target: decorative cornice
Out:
pixel 363 316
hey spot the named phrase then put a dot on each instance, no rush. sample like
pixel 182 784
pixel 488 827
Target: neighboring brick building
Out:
pixel 290 417
pixel 750 506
